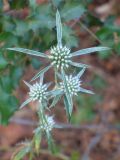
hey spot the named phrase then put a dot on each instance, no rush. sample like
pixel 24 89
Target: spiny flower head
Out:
pixel 47 124
pixel 38 92
pixel 73 84
pixel 60 56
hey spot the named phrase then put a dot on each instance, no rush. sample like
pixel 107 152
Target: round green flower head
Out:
pixel 48 123
pixel 73 84
pixel 60 56
pixel 38 92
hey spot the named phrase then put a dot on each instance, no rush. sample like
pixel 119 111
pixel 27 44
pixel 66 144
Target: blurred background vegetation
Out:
pixel 28 24
pixel 31 24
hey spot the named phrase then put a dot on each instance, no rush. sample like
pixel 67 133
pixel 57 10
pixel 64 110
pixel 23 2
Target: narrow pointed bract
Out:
pixel 68 97
pixel 27 84
pixel 41 72
pixel 89 50
pixel 80 65
pixel 59 29
pixel 41 78
pixel 28 51
pixel 85 91
pixel 81 72
pixel 25 103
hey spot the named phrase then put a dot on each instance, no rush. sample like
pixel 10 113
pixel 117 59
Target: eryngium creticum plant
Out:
pixel 66 85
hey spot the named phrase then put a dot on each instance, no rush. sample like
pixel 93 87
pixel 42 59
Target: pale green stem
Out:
pixel 31 156
pixel 55 72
